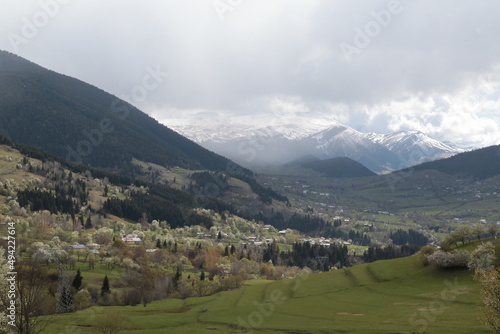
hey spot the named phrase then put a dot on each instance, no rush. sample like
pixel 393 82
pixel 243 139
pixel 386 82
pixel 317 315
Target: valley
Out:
pixel 123 225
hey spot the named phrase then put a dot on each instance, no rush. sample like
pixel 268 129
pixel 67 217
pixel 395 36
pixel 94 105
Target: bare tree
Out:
pixel 32 297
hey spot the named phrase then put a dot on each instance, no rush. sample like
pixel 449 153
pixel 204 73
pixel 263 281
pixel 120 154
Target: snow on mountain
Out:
pixel 343 141
pixel 283 140
pixel 414 147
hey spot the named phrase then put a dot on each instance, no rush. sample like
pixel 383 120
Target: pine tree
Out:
pixel 158 243
pixel 219 236
pixel 88 224
pixel 77 281
pixel 202 276
pixel 105 286
pixel 226 251
pixel 66 300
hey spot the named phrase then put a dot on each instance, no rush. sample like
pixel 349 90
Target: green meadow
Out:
pixel 393 296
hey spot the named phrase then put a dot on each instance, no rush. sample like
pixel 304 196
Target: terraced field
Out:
pixel 394 296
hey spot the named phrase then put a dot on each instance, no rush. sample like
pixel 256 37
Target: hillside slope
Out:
pixel 393 296
pixel 339 168
pixel 480 164
pixel 84 124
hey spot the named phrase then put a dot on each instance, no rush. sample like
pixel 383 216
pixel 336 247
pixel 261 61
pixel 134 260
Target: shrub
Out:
pixel 456 259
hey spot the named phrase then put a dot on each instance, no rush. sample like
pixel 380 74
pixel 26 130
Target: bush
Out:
pixel 425 252
pixel 456 259
pixel 109 323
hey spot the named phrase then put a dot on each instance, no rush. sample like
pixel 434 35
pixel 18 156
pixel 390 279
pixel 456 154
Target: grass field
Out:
pixel 394 296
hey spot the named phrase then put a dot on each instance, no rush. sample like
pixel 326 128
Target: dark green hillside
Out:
pixel 82 123
pixel 340 167
pixel 480 164
pixel 302 160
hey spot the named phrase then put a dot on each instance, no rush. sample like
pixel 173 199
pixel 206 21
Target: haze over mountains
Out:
pixel 285 141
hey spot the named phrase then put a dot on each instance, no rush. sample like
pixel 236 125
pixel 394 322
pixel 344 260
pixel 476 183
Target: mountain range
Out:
pixel 285 141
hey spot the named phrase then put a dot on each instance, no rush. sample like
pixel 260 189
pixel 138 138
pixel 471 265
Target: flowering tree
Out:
pixel 490 297
pixel 482 257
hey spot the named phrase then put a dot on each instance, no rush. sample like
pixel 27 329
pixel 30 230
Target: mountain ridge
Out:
pixel 282 142
pixel 85 124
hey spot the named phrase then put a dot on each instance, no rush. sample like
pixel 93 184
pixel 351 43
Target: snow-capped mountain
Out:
pixel 414 147
pixel 281 142
pixel 343 141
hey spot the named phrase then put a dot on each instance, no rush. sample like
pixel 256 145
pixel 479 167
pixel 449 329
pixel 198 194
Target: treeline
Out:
pixel 67 198
pixel 410 237
pixel 359 238
pixel 209 182
pixel 316 257
pixel 266 194
pixel 40 199
pixel 148 207
pixel 480 164
pixel 37 153
pixel 389 252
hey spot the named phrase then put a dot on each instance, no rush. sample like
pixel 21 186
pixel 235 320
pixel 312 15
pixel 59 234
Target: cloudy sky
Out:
pixel 378 66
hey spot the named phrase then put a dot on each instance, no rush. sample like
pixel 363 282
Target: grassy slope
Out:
pixel 395 296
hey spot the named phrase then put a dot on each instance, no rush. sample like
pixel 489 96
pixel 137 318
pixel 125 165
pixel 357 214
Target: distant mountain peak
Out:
pixel 282 140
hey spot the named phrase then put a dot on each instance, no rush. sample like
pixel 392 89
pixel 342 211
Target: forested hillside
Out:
pixel 84 124
pixel 480 164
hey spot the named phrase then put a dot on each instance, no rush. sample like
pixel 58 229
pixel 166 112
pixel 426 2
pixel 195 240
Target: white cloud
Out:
pixel 428 68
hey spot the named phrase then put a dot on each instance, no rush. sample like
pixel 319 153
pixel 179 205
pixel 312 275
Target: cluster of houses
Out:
pixel 90 247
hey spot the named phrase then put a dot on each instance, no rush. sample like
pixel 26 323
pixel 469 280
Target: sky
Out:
pixel 377 66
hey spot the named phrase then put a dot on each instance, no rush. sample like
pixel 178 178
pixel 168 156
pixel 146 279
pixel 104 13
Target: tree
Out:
pixel 105 286
pixel 482 257
pixel 456 259
pixel 219 235
pixel 65 300
pixel 32 297
pixel 490 297
pixel 158 243
pixel 462 233
pixel 88 223
pixel 477 230
pixel 82 300
pixel 492 229
pixel 202 276
pixel 103 236
pixel 77 281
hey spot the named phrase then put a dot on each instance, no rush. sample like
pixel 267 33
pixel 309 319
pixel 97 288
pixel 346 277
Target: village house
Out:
pixel 132 239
